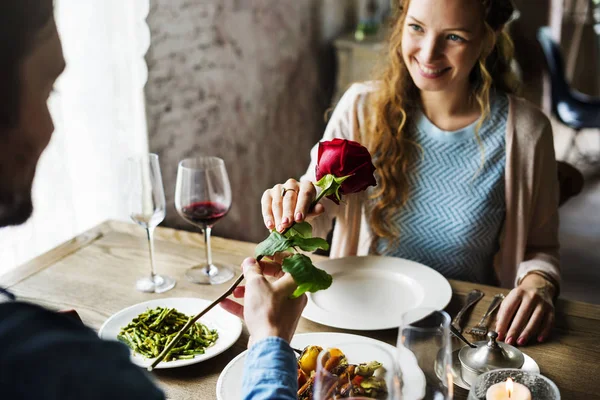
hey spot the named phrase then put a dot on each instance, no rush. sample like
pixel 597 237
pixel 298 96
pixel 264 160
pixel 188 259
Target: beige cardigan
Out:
pixel 529 239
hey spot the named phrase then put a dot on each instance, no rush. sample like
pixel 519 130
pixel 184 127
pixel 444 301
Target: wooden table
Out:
pixel 95 274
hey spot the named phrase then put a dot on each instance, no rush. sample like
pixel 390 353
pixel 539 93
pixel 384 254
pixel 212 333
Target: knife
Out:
pixel 472 298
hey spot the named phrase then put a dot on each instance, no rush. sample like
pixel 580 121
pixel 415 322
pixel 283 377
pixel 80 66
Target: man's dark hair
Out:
pixel 20 21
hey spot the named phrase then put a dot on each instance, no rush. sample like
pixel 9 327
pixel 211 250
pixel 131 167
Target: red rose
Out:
pixel 340 157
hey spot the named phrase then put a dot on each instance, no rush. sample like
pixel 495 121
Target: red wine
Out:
pixel 204 212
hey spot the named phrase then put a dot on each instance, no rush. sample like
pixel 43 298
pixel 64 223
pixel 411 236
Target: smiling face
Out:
pixel 22 144
pixel 441 42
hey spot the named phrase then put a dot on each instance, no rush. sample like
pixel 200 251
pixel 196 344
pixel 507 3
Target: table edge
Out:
pixel 38 264
pixel 54 255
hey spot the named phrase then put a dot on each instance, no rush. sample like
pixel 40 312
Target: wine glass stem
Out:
pixel 150 233
pixel 207 230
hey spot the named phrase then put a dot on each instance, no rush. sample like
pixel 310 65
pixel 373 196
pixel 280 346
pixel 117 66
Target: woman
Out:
pixel 466 171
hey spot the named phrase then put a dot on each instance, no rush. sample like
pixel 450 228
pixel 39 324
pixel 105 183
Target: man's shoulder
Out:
pixel 19 320
pixel 6 296
pixel 93 368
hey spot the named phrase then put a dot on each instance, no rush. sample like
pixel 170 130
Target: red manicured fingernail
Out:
pixel 299 217
pixel 521 341
pixel 540 338
pixel 270 224
pixel 285 221
pixel 509 340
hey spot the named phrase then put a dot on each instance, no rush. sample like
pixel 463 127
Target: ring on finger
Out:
pixel 285 190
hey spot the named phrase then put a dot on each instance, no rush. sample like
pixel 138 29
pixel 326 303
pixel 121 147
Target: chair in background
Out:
pixel 572 108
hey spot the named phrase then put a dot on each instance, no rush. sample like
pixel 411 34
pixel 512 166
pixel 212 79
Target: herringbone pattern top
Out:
pixel 456 207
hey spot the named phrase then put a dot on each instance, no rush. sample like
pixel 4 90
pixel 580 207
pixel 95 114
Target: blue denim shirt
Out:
pixel 270 371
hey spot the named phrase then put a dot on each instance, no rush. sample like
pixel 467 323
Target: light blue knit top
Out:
pixel 456 209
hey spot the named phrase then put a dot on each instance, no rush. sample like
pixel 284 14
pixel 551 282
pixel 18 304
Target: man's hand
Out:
pixel 268 309
pixel 527 311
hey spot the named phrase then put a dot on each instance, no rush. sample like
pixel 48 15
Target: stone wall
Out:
pixel 247 81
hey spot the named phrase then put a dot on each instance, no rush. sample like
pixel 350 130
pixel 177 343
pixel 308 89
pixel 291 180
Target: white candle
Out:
pixel 508 390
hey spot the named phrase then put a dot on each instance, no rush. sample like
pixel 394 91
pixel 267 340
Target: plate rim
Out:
pixel 322 264
pixel 183 363
pixel 231 363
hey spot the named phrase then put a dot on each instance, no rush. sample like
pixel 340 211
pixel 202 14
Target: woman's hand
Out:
pixel 527 311
pixel 268 309
pixel 280 209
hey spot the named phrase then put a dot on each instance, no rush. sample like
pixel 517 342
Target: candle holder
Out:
pixel 541 387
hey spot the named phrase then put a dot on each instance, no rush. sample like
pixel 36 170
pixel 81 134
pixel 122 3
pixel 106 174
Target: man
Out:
pixel 46 355
pixel 43 355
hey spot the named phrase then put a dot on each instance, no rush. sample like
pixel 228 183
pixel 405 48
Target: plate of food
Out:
pixel 372 292
pixel 357 349
pixel 146 328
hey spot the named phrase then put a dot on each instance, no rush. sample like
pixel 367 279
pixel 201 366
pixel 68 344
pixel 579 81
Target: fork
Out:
pixel 472 298
pixel 480 330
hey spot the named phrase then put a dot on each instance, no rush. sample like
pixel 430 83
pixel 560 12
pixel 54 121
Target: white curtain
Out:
pixel 99 114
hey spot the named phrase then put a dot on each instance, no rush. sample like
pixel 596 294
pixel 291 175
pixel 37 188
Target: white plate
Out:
pixel 229 385
pixel 372 292
pixel 228 326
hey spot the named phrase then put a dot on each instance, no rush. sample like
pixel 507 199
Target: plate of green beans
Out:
pixel 147 328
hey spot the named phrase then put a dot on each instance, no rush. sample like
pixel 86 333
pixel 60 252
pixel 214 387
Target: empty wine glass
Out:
pixel 147 208
pixel 425 355
pixel 203 197
pixel 331 381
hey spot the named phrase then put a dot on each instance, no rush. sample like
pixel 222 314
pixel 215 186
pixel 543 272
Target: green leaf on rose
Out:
pixel 308 277
pixel 293 238
pixel 275 243
pixel 325 182
pixel 303 229
pixel 331 185
pixel 310 244
pixel 300 235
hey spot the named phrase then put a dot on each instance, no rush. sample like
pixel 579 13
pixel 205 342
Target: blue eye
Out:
pixel 416 27
pixel 455 38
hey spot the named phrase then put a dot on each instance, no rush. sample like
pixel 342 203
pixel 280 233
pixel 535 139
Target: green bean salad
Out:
pixel 151 331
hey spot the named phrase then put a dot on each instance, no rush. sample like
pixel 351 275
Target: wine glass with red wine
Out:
pixel 203 197
pixel 147 208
